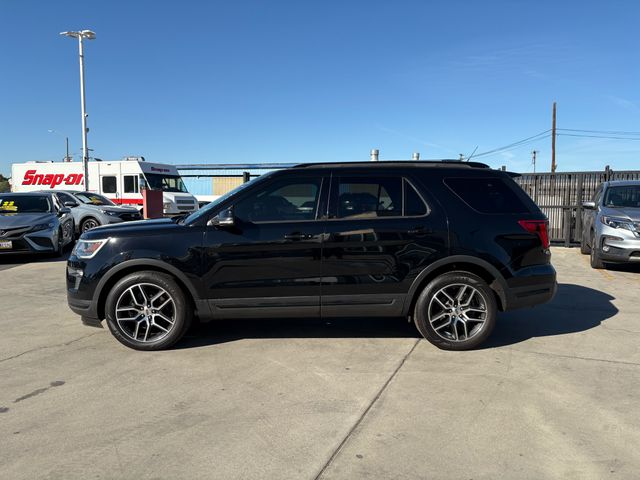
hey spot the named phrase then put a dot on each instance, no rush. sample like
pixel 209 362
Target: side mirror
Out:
pixel 589 205
pixel 224 219
pixel 70 204
pixel 64 211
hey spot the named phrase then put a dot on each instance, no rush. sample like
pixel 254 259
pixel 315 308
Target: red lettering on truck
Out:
pixel 32 177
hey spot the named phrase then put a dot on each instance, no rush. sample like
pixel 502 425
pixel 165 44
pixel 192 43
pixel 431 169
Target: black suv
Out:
pixel 447 244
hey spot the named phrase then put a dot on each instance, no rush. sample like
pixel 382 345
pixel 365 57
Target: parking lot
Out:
pixel 554 393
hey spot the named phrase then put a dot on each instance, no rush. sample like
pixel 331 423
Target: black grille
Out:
pixel 130 216
pixel 42 242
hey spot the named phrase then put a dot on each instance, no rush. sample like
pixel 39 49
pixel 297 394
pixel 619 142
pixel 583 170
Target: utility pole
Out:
pixel 88 34
pixel 553 140
pixel 533 159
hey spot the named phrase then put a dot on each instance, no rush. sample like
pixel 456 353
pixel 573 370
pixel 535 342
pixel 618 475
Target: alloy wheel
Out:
pixel 457 312
pixel 145 312
pixel 89 224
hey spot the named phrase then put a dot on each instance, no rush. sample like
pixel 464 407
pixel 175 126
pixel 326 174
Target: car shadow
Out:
pixel 574 309
pixel 9 260
pixel 624 267
pixel 223 331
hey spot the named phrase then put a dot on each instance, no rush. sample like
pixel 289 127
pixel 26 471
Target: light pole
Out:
pixel 81 35
pixel 66 139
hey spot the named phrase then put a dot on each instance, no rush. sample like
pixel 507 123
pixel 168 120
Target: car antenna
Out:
pixel 472 153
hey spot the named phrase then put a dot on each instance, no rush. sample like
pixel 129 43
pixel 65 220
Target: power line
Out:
pixel 596 136
pixel 538 136
pixel 604 132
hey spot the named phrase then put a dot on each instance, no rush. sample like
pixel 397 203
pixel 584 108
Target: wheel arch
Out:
pixel 477 266
pixel 132 266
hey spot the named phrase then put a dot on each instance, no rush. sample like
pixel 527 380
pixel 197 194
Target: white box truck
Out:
pixel 121 181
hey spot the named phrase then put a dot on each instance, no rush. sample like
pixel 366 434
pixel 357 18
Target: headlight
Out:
pixel 107 212
pixel 88 248
pixel 166 205
pixel 617 222
pixel 42 226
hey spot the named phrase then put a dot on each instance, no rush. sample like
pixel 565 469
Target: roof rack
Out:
pixel 404 163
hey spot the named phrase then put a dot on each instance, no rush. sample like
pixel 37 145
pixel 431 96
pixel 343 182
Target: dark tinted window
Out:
pixel 65 197
pixel 487 195
pixel 25 204
pixel 414 206
pixel 109 185
pixel 369 197
pixel 130 184
pixel 286 200
pixel 627 196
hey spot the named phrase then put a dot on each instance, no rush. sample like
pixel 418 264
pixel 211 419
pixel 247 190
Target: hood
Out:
pixel 15 220
pixel 138 227
pixel 117 209
pixel 631 213
pixel 178 194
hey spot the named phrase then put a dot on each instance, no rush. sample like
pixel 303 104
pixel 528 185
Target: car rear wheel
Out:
pixel 148 311
pixel 456 311
pixel 88 224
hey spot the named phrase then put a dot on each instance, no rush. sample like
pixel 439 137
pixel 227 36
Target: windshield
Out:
pixel 210 206
pixel 166 183
pixel 627 196
pixel 24 204
pixel 89 198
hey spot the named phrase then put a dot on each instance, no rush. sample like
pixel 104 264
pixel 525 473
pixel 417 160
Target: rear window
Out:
pixel 487 195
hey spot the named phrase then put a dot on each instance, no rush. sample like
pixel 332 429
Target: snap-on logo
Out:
pixel 31 177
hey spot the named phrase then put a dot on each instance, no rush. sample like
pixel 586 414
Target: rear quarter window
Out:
pixel 487 195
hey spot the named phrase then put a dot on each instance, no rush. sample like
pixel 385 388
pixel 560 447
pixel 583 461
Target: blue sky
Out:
pixel 295 81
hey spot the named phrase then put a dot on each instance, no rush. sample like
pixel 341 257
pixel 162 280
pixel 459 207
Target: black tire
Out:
pixel 585 249
pixel 594 259
pixel 182 310
pixel 479 332
pixel 88 224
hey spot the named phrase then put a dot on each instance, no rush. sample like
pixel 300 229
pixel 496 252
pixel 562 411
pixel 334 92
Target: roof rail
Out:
pixel 387 163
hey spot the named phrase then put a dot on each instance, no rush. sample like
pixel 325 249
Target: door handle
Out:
pixel 296 236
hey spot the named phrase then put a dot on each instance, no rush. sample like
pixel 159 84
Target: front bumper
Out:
pixel 616 247
pixel 81 300
pixel 42 241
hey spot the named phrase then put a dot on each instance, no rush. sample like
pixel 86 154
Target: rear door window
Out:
pixel 414 205
pixel 369 197
pixel 487 195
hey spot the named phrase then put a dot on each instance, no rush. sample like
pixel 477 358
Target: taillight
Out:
pixel 539 227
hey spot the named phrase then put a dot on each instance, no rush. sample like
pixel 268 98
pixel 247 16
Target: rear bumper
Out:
pixel 531 286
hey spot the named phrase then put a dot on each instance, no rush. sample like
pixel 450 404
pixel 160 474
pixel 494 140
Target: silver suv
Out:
pixel 611 224
pixel 91 210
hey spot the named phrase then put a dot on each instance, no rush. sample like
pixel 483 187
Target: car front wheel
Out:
pixel 88 224
pixel 456 311
pixel 595 260
pixel 148 311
